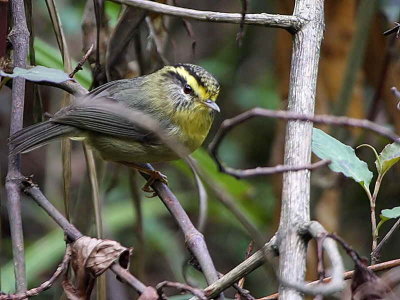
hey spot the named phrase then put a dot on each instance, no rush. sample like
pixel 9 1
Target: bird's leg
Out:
pixel 154 175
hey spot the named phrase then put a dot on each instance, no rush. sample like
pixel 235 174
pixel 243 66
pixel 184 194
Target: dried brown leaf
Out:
pixel 90 258
pixel 368 286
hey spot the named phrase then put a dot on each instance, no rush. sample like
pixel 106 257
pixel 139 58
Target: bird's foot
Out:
pixel 154 176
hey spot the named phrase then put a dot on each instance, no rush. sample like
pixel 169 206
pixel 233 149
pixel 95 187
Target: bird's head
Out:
pixel 191 87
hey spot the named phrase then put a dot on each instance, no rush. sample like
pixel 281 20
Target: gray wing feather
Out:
pixel 105 122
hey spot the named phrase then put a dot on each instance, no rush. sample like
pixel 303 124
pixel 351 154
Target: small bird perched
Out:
pixel 179 98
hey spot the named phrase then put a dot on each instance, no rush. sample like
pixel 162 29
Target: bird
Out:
pixel 180 99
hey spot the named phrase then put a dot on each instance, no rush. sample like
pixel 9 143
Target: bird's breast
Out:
pixel 193 127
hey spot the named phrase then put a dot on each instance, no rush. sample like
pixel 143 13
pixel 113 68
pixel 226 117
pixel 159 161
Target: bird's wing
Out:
pixel 104 119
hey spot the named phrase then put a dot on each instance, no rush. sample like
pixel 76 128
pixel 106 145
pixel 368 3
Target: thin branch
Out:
pixel 336 283
pixel 45 285
pixel 128 278
pixel 262 171
pixel 156 40
pixel 396 93
pixel 19 37
pixel 229 124
pixel 82 62
pixel 193 238
pixel 244 268
pixel 240 34
pixel 33 191
pixel 395 29
pixel 387 265
pixel 180 286
pixel 70 86
pixel 376 253
pixel 291 23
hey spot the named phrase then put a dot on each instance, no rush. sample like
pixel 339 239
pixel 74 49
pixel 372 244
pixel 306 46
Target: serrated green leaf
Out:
pixel 39 73
pixel 343 158
pixel 389 156
pixel 391 213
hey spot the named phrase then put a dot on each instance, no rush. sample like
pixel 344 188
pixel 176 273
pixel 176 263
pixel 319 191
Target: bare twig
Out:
pixel 182 287
pixel 241 292
pixel 82 62
pixel 395 29
pixel 229 124
pixel 291 23
pixel 33 191
pixel 45 285
pixel 128 278
pixel 240 35
pixel 396 93
pixel 348 275
pixel 193 238
pixel 136 197
pixel 156 40
pixel 72 233
pixel 337 282
pixel 19 37
pixel 244 268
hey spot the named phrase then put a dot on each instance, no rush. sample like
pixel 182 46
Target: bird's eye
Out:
pixel 187 89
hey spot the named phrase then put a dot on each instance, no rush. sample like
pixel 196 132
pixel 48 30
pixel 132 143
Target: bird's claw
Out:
pixel 154 176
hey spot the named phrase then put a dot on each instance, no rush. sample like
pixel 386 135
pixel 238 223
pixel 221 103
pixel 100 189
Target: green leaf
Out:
pixel 39 73
pixel 389 156
pixel 391 213
pixel 49 56
pixel 343 158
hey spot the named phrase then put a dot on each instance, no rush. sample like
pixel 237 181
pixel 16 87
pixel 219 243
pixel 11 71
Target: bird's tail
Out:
pixel 37 135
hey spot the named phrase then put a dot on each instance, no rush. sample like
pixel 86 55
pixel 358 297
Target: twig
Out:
pixel 229 202
pixel 136 197
pixel 262 171
pixel 19 37
pixel 229 124
pixel 69 86
pixel 376 253
pixel 395 29
pixel 45 285
pixel 33 191
pixel 291 23
pixel 240 34
pixel 157 43
pixel 372 200
pixel 81 62
pixel 348 275
pixel 396 93
pixel 241 292
pixel 128 278
pixel 180 286
pixel 193 238
pixel 241 270
pixel 336 283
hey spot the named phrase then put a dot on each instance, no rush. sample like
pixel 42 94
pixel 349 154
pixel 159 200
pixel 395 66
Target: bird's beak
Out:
pixel 211 104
